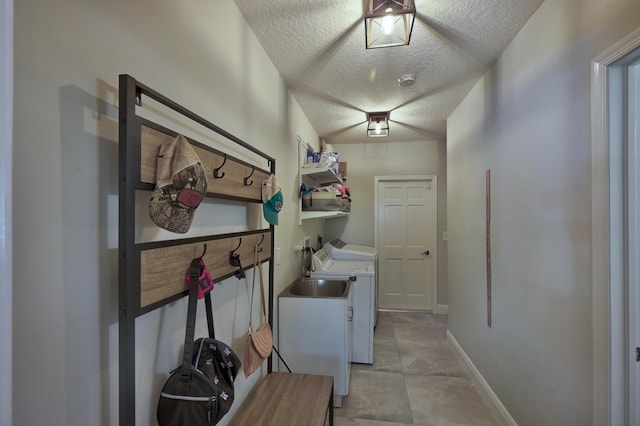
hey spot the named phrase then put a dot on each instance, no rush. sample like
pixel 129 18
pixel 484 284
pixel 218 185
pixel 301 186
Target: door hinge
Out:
pixel 637 354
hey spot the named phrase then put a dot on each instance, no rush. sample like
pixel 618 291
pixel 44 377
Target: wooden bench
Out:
pixel 288 399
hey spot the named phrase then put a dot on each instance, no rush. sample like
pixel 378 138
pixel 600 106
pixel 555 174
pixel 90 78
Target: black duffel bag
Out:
pixel 200 391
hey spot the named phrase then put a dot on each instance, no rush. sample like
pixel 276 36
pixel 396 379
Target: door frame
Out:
pixel 6 160
pixel 610 386
pixel 423 178
pixel 6 261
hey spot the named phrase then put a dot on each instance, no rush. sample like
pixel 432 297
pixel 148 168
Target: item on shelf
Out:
pixel 180 186
pixel 272 200
pixel 327 198
pixel 329 159
pixel 342 169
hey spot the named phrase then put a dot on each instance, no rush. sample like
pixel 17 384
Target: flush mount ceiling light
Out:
pixel 378 124
pixel 389 23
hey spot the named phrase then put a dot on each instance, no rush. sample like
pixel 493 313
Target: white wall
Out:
pixel 6 159
pixel 364 162
pixel 68 55
pixel 528 121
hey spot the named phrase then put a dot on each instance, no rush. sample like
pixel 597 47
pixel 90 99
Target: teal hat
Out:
pixel 272 200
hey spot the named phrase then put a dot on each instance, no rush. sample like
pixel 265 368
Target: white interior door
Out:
pixel 406 226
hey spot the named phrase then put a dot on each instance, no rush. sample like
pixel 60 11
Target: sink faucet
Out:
pixel 313 264
pixel 308 265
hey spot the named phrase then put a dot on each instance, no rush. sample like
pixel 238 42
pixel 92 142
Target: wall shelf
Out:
pixel 305 215
pixel 320 175
pixel 312 177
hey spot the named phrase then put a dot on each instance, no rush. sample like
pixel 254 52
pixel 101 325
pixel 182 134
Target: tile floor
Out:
pixel 416 379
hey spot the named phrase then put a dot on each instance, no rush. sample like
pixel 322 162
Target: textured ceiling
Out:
pixel 318 46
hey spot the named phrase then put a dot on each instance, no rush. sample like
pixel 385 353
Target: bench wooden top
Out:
pixel 287 399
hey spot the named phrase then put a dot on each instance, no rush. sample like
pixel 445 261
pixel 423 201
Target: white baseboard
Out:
pixel 441 309
pixel 499 409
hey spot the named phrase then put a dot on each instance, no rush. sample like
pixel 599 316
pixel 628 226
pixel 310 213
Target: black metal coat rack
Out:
pixel 151 274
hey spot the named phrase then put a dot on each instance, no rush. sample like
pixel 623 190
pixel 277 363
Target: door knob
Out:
pixel 427 252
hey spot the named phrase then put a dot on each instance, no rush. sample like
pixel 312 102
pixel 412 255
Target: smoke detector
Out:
pixel 406 80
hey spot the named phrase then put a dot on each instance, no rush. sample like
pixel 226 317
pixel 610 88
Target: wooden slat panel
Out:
pixel 162 270
pixel 232 185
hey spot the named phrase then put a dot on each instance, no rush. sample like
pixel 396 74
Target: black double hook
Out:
pixel 203 251
pixel 216 171
pixel 236 249
pixel 247 182
pixel 234 260
pixel 260 244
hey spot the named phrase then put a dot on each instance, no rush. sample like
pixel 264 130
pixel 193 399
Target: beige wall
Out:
pixel 528 120
pixel 364 162
pixel 68 55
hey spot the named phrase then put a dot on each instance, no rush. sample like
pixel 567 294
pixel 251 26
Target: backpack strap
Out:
pixel 194 272
pixel 207 304
pixel 259 265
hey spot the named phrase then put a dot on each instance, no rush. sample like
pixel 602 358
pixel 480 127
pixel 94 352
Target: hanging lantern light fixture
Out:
pixel 389 23
pixel 378 124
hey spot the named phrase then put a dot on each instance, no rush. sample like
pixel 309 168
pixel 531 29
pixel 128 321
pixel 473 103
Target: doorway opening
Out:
pixel 616 232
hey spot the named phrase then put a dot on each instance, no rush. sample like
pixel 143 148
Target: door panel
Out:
pixel 392 276
pixel 405 231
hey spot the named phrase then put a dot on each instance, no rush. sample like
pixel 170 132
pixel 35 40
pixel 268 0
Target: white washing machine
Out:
pixel 362 274
pixel 339 250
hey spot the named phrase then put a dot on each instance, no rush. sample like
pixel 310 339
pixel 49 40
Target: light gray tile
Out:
pixel 385 358
pixel 442 320
pixel 418 318
pixel 414 332
pixel 376 395
pixel 437 389
pixel 447 401
pixel 429 360
pixel 383 331
pixel 344 421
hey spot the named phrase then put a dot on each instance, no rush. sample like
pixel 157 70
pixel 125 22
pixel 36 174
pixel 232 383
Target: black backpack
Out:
pixel 200 391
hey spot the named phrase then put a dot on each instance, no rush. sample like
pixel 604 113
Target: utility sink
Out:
pixel 315 329
pixel 317 288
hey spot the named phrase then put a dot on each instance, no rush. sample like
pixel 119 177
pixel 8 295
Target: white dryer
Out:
pixel 362 275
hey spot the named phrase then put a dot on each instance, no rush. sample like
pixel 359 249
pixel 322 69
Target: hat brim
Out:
pixel 270 215
pixel 272 207
pixel 168 215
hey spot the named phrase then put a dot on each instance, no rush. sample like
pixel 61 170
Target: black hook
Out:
pixel 246 180
pixel 260 243
pixel 216 171
pixel 236 249
pixel 138 96
pixel 234 260
pixel 203 251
